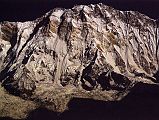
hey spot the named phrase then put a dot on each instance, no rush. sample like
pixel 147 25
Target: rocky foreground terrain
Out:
pixel 92 51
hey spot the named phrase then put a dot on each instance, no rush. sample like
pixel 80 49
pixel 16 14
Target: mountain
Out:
pixel 93 51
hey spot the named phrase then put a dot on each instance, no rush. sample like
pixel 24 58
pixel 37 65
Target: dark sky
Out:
pixel 24 10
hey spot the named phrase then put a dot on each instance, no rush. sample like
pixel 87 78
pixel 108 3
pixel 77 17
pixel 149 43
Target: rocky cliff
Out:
pixel 89 51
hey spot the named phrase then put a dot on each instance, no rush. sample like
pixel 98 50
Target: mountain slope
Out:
pixel 90 51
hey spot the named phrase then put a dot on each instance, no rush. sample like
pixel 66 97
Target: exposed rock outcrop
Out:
pixel 90 51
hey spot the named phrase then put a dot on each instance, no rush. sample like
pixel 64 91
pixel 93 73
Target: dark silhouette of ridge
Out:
pixel 141 103
pixel 43 114
pixel 6 118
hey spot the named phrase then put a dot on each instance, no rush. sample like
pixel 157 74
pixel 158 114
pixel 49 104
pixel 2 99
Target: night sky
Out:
pixel 24 10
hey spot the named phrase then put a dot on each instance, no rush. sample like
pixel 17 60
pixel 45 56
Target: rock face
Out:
pixel 90 51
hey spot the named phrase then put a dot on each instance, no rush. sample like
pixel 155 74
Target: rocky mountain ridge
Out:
pixel 89 51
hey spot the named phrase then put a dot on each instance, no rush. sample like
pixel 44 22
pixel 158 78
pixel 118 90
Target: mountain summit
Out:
pixel 92 51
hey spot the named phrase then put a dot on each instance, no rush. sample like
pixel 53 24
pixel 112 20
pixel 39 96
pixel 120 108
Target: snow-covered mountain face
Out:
pixel 90 51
